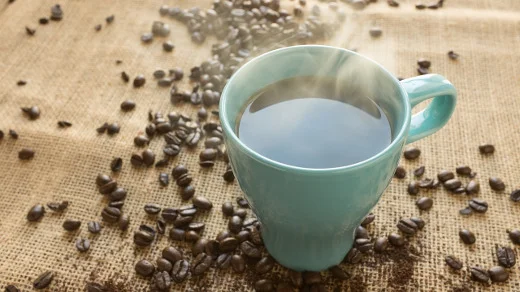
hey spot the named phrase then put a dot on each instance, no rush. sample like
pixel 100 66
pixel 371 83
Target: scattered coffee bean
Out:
pixel 452 184
pixel 169 214
pixel 43 281
pixel 35 213
pixel 180 270
pixel 419 171
pixel 136 160
pixel 162 163
pixel 111 214
pixel 368 219
pixel 515 196
pixel 56 13
pixel 97 27
pixel 361 232
pixel 413 188
pixel 478 205
pixel 109 19
pixel 264 285
pixel 412 153
pixel 113 129
pixel 375 32
pixel 498 274
pixel 71 225
pixel 103 179
pixel 159 73
pixel 188 210
pixel 164 265
pixel 148 157
pixel 472 188
pixel 424 203
pixel 463 170
pixel 102 129
pixel 496 184
pixel 208 154
pixel 250 250
pixel 160 224
pixel 420 6
pixel 164 179
pixel 363 245
pixel 144 268
pixel 422 71
pixel 229 176
pixel 139 80
pixel 407 226
pixel 43 20
pixel 125 77
pixel 177 234
pixel 465 211
pixel 486 149
pixel 264 265
pixel 242 213
pixel 124 222
pixel 21 82
pixel 353 256
pixel 147 37
pixel 381 244
pixel 152 209
pixel 202 203
pixel 242 202
pixel 58 206
pixel 467 236
pixel 144 237
pixel 30 31
pixel 227 209
pixel 94 227
pixel 117 204
pixel 418 221
pixel 108 187
pixel 118 194
pixel 168 46
pixel 82 244
pixel 452 55
pixel 235 224
pixel 400 172
pixel 479 274
pixel 127 105
pixel 453 262
pixel 13 134
pixel 201 264
pixel 506 256
pixel 64 124
pixel 196 226
pixel 178 171
pixel 423 63
pixel 199 246
pixel 426 183
pixel 392 3
pixel 396 239
pixel 116 164
pixel 26 154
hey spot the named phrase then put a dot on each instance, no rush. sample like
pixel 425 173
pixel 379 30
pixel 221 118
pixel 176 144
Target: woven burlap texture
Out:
pixel 71 73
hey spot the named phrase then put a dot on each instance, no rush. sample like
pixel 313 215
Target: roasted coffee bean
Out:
pixel 199 246
pixel 164 179
pixel 118 194
pixel 381 244
pixel 227 209
pixel 150 130
pixel 426 183
pixel 148 157
pixel 472 188
pixel 400 172
pixel 368 219
pixel 296 278
pixel 235 224
pixel 255 236
pixel 110 214
pixel 264 285
pixel 164 82
pixel 162 163
pixel 242 202
pixel 412 153
pixel 250 250
pixel 453 262
pixel 486 149
pixel 419 171
pixel 202 203
pixel 182 221
pixel 163 128
pixel 116 164
pixel 213 142
pixel 124 222
pixel 196 226
pixel 169 214
pixel 164 265
pixel 178 73
pixel 463 170
pixel 339 273
pixel 223 235
pixel 396 239
pixel 515 196
pixel 58 206
pixel 143 238
pixel 180 270
pixel 264 265
pixel 498 274
pixel 56 13
pixel 354 256
pixel 459 190
pixel 228 244
pixel 361 232
pixel 82 244
pixel 208 154
pixel 445 175
pixel 423 63
pixel 192 236
pixel 479 274
pixel 13 134
pixel 26 154
pixel 127 105
pixel 413 188
pixel 238 263
pixel 103 179
pixel 125 77
pixel 223 261
pixel 168 46
pixel 171 254
pixel 242 213
pixel 422 71
pixel 243 235
pixel 212 248
pixel 229 176
pixel 187 192
pixel 110 19
pixel 159 73
pixel 139 80
pixel 152 209
pixel 35 213
pixel 424 203
pixel 188 210
pixel 407 226
pixel 117 204
pixel 64 124
pixel 478 205
pixel 419 222
pixel 43 281
pixel 202 113
pixel 161 226
pixel 171 150
pixel 496 184
pixel 311 278
pixel 32 112
pixel 162 281
pixel 506 256
pixel 201 264
pixel 178 171
pixel 71 225
pixel 102 129
pixel 467 236
pixel 375 31
pixel 465 211
pixel 452 55
pixel 108 187
pixel 113 129
pixel 94 227
pixel 452 184
pixel 364 245
pixel 43 20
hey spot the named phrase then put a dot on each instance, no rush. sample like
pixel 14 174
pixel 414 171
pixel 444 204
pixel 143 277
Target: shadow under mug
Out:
pixel 308 216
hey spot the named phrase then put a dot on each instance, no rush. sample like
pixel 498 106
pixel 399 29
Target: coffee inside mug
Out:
pixel 334 110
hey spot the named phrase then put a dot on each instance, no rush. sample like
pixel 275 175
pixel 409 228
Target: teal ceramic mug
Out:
pixel 308 216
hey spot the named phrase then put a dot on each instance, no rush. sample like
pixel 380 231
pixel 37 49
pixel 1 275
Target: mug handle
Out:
pixel 438 112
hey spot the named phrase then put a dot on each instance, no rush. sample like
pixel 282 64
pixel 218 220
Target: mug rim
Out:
pixel 231 135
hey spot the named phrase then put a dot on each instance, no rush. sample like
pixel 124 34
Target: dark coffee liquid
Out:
pixel 313 122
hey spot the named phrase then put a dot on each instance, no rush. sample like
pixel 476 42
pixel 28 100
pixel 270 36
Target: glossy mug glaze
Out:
pixel 309 216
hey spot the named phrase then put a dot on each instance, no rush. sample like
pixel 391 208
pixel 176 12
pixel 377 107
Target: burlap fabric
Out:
pixel 72 75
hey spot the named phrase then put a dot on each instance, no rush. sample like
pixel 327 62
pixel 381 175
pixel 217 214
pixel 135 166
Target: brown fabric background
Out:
pixel 72 75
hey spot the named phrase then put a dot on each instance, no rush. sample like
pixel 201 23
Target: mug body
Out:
pixel 309 216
